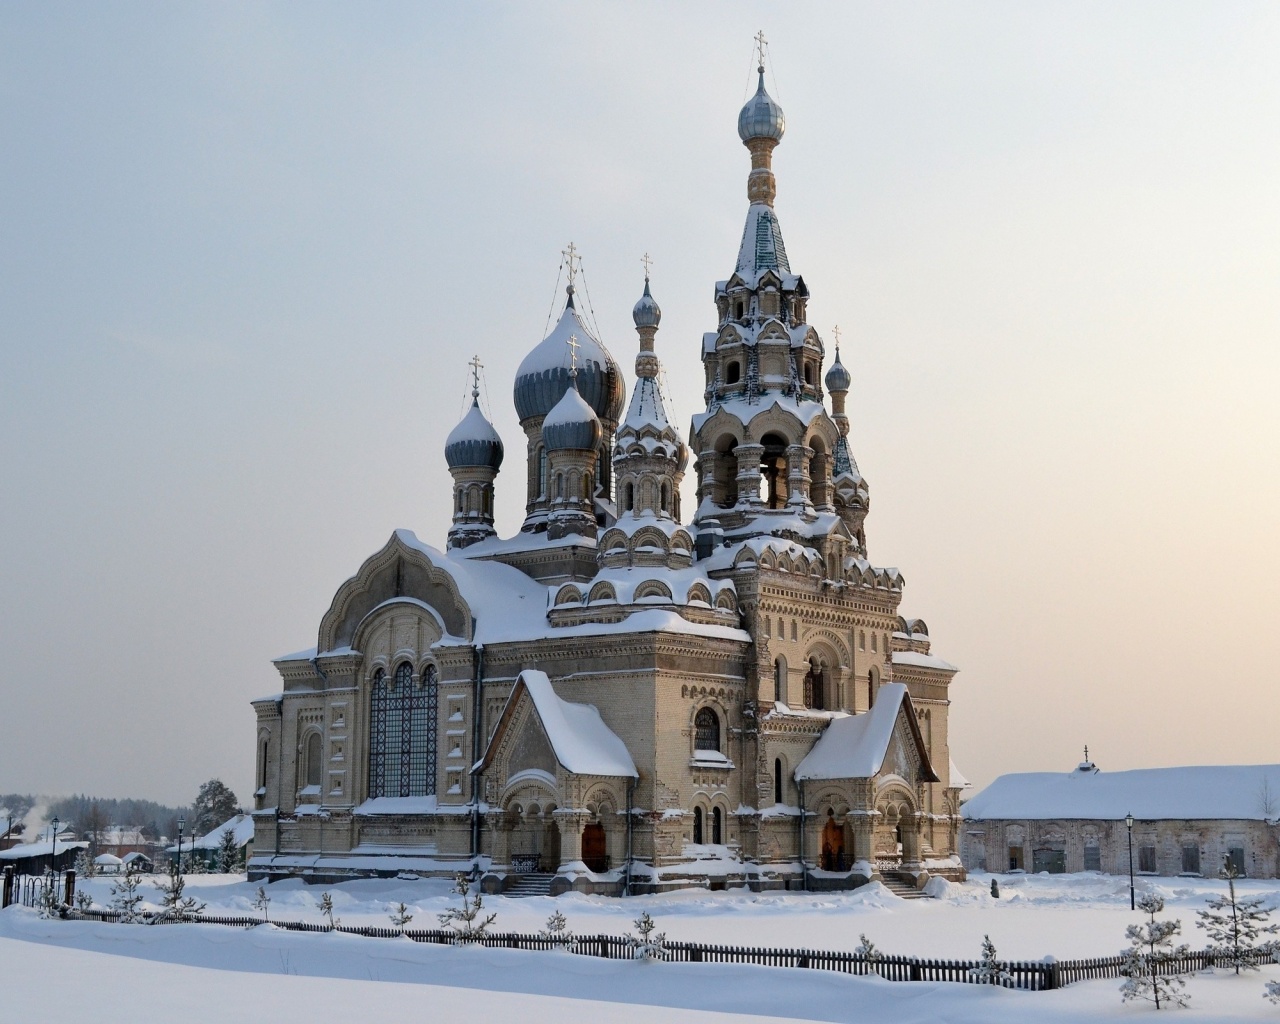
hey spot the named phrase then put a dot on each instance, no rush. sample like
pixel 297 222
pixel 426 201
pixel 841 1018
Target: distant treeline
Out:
pixel 87 812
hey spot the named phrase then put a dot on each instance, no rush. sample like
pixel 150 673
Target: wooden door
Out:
pixel 594 854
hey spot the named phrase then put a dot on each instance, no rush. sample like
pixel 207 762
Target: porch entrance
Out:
pixel 594 850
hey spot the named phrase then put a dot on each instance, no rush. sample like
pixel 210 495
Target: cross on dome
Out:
pixel 648 264
pixel 574 345
pixel 476 367
pixel 572 259
pixel 835 333
pixel 761 43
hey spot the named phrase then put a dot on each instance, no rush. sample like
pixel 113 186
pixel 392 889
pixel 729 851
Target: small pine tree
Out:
pixel 1235 925
pixel 1148 961
pixel 174 905
pixel 326 908
pixel 557 931
pixel 466 921
pixel 869 952
pixel 261 901
pixel 48 902
pixel 400 916
pixel 125 898
pixel 1272 991
pixel 85 867
pixel 990 971
pixel 83 901
pixel 647 946
pixel 228 852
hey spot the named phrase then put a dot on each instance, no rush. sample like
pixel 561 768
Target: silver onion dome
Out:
pixel 761 118
pixel 646 312
pixel 543 376
pixel 838 378
pixel 473 442
pixel 571 424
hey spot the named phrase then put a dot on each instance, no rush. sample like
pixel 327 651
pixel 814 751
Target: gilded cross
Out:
pixel 572 258
pixel 835 331
pixel 476 367
pixel 647 264
pixel 574 345
pixel 761 43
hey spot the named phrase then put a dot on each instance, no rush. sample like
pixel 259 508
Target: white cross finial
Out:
pixel 835 331
pixel 647 264
pixel 476 367
pixel 1086 752
pixel 574 345
pixel 571 257
pixel 761 43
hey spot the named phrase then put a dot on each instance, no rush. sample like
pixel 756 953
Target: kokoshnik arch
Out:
pixel 617 699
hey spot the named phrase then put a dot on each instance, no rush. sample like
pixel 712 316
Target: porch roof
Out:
pixel 854 746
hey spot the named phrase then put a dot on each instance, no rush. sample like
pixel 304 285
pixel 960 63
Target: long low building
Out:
pixel 1186 821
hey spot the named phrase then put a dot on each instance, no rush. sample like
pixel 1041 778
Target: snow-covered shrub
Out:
pixel 261 901
pixel 557 931
pixel 400 916
pixel 1148 962
pixel 83 901
pixel 85 867
pixel 647 946
pixel 990 971
pixel 466 921
pixel 326 908
pixel 125 898
pixel 1272 991
pixel 48 903
pixel 174 905
pixel 1235 925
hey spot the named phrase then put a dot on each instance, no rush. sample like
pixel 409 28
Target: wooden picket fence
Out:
pixel 1030 975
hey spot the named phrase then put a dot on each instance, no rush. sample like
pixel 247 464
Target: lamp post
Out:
pixel 1128 820
pixel 182 821
pixel 53 850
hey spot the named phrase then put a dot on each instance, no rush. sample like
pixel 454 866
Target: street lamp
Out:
pixel 53 850
pixel 1128 820
pixel 181 824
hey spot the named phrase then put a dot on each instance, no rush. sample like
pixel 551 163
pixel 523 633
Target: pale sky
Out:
pixel 248 250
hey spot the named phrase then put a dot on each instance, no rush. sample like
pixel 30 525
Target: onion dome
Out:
pixel 838 378
pixel 543 377
pixel 761 118
pixel 473 442
pixel 646 312
pixel 571 424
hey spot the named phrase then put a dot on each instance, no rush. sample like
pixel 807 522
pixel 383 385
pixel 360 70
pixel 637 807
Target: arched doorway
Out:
pixel 594 849
pixel 832 844
pixel 697 825
pixel 773 471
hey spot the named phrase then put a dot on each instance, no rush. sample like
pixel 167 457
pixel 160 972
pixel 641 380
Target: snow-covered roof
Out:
pixel 854 746
pixel 107 860
pixel 762 247
pixel 543 376
pixel 958 781
pixel 804 410
pixel 583 744
pixel 241 825
pixel 1232 792
pixel 473 442
pixel 40 849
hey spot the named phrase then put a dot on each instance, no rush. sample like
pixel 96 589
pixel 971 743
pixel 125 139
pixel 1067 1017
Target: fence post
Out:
pixel 1051 979
pixel 8 886
pixel 69 887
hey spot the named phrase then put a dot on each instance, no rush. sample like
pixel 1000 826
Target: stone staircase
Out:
pixel 902 885
pixel 529 885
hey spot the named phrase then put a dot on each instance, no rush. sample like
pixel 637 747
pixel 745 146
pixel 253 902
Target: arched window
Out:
pixel 733 373
pixel 312 760
pixel 402 733
pixel 808 373
pixel 717 832
pixel 780 679
pixel 628 497
pixel 264 755
pixel 815 686
pixel 697 825
pixel 765 625
pixel 706 730
pixel 871 688
pixel 666 498
pixel 777 780
pixel 542 471
pixel 559 485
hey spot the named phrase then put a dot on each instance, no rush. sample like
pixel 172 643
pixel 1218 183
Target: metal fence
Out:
pixel 1032 975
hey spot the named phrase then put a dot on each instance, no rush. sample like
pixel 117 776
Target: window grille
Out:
pixel 706 730
pixel 402 733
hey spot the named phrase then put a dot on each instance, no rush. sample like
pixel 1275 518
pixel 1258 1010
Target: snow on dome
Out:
pixel 571 424
pixel 473 442
pixel 838 378
pixel 646 312
pixel 761 117
pixel 543 376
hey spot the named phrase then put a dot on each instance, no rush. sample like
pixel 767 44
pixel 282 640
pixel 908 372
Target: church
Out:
pixel 621 698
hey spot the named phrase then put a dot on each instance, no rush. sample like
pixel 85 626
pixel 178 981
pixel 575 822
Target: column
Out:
pixel 798 456
pixel 749 473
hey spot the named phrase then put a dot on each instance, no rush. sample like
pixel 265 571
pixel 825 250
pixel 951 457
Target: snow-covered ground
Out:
pixel 326 977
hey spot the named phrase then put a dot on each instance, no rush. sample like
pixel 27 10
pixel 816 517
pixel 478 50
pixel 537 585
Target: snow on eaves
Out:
pixel 916 660
pixel 854 746
pixel 957 780
pixel 41 849
pixel 1213 792
pixel 805 411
